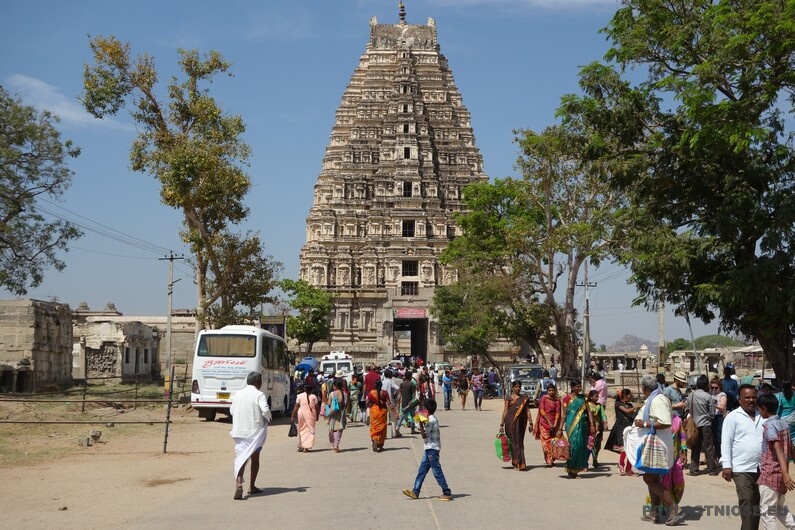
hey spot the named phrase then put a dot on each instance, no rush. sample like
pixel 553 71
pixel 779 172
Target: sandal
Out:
pixel 238 493
pixel 254 490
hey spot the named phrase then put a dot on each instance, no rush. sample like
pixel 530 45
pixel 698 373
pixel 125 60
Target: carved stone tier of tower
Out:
pixel 402 150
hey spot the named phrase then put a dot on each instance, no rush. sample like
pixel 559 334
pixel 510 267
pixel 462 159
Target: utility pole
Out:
pixel 171 257
pixel 586 347
pixel 661 336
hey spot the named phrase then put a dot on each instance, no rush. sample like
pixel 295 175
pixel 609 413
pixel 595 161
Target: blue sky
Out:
pixel 512 61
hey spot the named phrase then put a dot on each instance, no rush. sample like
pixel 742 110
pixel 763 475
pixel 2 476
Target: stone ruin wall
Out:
pixel 103 361
pixel 100 346
pixel 35 337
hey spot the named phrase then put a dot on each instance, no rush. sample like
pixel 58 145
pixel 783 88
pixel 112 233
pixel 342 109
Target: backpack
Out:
pixel 732 402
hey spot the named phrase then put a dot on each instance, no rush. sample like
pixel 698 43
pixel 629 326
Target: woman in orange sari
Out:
pixel 548 421
pixel 378 401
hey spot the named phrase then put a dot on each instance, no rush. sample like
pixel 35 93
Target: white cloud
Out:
pixel 44 96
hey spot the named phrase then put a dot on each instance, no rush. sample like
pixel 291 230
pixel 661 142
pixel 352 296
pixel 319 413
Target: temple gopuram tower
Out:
pixel 402 150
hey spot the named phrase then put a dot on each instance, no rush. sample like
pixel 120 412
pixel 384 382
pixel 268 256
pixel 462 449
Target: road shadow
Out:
pixel 267 492
pixel 587 474
pixel 693 513
pixel 454 496
pixel 353 449
pixel 387 448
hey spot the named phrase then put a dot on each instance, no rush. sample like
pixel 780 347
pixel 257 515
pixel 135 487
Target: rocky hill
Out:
pixel 631 343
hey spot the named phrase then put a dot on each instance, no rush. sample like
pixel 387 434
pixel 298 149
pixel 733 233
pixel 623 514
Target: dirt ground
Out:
pixel 48 479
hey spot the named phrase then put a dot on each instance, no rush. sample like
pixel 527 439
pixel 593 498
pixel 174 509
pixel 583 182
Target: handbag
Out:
pixel 335 405
pixel 691 431
pixel 652 456
pixel 560 449
pixel 502 444
pixel 293 432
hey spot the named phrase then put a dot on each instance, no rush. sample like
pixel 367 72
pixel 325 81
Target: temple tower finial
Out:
pixel 402 12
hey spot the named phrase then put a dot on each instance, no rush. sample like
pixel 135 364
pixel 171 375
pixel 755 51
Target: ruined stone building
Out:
pixel 402 150
pixel 35 345
pixel 108 343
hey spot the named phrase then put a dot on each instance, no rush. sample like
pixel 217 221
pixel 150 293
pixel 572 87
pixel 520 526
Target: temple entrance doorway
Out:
pixel 411 338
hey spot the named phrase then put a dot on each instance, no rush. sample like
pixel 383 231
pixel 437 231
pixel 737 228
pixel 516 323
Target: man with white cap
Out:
pixel 675 394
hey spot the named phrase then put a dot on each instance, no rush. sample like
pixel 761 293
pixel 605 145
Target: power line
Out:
pixel 104 231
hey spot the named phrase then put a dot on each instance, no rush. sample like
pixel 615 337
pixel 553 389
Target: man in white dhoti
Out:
pixel 250 418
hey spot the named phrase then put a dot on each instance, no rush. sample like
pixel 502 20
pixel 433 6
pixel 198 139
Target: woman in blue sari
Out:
pixel 579 426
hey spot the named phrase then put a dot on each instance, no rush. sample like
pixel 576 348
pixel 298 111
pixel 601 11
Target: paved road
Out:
pixel 361 489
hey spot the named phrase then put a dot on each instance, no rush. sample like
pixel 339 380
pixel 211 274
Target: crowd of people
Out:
pixel 744 434
pixel 742 439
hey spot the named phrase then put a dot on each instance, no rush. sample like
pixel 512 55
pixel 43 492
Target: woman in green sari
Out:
pixel 579 425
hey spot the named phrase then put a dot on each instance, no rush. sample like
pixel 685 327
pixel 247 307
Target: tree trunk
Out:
pixel 532 340
pixel 777 344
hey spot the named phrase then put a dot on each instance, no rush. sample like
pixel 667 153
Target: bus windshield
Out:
pixel 227 346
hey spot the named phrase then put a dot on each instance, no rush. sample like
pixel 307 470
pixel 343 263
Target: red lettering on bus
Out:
pixel 219 362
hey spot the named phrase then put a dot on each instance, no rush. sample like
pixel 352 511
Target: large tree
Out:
pixel 703 150
pixel 249 286
pixel 313 305
pixel 537 232
pixel 194 149
pixel 33 167
pixel 471 313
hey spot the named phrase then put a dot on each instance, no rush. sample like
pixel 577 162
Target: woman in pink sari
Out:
pixel 305 414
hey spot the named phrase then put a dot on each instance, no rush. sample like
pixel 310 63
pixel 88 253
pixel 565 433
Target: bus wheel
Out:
pixel 208 414
pixel 284 412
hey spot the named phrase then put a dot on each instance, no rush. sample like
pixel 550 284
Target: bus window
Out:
pixel 281 356
pixel 226 346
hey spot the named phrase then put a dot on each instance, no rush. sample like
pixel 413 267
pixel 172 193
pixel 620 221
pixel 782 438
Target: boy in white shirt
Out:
pixel 430 459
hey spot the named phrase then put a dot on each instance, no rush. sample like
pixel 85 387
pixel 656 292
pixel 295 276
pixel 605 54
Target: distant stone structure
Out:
pixel 402 150
pixel 35 345
pixel 108 343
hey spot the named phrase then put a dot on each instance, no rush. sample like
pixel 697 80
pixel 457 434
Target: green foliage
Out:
pixel 254 278
pixel 679 344
pixel 702 343
pixel 470 313
pixel 314 310
pixel 703 151
pixel 194 149
pixel 32 168
pixel 534 234
pixel 717 341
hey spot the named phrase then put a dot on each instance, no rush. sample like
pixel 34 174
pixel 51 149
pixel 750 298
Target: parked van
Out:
pixel 336 361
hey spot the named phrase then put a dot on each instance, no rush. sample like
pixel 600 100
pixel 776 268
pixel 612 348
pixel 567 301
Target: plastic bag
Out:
pixel 560 448
pixel 502 444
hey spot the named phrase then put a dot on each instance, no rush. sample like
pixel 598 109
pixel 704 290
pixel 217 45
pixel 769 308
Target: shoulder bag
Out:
pixel 652 456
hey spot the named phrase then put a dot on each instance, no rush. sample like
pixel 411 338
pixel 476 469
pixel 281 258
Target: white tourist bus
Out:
pixel 223 359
